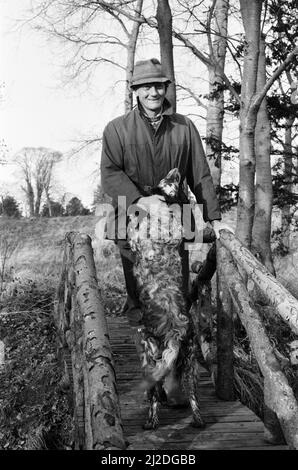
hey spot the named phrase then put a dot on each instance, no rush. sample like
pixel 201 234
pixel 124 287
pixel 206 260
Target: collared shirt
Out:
pixel 153 121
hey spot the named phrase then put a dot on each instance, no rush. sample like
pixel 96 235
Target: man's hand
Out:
pixel 217 226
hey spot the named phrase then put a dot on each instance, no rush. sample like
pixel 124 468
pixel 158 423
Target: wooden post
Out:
pixel 225 334
pixel 80 314
pixel 281 399
pixel 202 310
pixel 107 431
pixel 201 313
pixel 282 300
pixel 272 428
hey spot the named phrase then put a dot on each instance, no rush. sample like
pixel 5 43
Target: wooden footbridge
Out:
pixel 229 424
pixel 102 367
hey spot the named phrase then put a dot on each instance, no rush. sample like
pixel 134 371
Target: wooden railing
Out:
pixel 85 350
pixel 86 354
pixel 281 407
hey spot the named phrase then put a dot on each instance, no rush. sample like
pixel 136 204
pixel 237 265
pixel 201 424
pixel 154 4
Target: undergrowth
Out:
pixel 34 409
pixel 35 412
pixel 249 384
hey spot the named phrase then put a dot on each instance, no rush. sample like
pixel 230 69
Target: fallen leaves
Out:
pixel 34 409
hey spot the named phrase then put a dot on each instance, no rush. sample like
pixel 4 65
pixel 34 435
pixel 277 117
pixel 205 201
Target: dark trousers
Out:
pixel 132 307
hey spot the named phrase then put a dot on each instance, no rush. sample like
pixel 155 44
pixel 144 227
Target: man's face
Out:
pixel 151 96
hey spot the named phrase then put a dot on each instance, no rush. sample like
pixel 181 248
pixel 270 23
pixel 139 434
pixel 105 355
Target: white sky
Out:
pixel 37 110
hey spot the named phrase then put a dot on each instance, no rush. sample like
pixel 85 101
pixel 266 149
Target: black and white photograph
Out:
pixel 148 228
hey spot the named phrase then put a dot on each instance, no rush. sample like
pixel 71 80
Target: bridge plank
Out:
pixel 229 425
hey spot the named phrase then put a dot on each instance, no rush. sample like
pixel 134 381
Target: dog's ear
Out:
pixel 177 176
pixel 170 184
pixel 174 176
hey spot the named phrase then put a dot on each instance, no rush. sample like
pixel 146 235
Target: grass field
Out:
pixel 39 251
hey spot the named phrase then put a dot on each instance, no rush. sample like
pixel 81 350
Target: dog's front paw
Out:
pixel 198 423
pixel 150 424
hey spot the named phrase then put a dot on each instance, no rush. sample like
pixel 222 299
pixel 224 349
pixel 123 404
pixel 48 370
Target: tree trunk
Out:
pixel 164 21
pixel 131 48
pixel 272 428
pixel 30 198
pixel 103 400
pixel 215 110
pixel 263 193
pixel 281 299
pixel 251 15
pixel 288 172
pixel 82 326
pixel 49 204
pixel 225 331
pixel 38 195
pixel 279 395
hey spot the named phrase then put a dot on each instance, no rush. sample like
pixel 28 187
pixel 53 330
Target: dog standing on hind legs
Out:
pixel 166 338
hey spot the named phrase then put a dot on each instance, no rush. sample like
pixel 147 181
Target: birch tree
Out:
pixel 263 190
pixel 215 110
pixel 251 100
pixel 251 16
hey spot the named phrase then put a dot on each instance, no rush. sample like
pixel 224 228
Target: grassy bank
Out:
pixel 34 406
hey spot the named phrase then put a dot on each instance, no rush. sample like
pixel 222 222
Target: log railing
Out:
pixel 83 335
pixel 281 407
pixel 85 350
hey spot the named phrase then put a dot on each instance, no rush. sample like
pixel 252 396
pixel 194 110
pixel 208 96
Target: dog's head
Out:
pixel 169 185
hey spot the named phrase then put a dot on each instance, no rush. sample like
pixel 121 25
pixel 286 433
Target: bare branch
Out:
pixel 207 61
pixel 197 115
pixel 102 59
pixel 208 29
pixel 82 144
pixel 283 66
pixel 192 95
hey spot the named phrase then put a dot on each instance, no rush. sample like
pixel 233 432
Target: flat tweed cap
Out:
pixel 148 71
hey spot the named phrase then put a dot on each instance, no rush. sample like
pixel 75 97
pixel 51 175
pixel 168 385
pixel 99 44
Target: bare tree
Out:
pixel 36 168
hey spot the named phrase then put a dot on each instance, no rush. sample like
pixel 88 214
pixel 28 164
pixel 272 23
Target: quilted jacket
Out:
pixel 134 157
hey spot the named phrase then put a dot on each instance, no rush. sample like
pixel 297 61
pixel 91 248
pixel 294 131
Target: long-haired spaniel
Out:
pixel 167 333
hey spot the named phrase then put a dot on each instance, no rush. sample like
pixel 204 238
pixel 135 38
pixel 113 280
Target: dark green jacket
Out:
pixel 134 156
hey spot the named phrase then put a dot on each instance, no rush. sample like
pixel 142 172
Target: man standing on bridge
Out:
pixel 138 150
